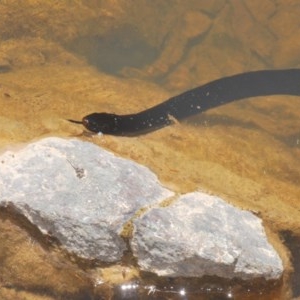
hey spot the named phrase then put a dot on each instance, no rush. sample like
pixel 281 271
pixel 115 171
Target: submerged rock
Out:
pixel 83 196
pixel 77 192
pixel 203 235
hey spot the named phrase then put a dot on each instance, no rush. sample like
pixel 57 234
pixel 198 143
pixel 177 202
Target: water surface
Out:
pixel 65 60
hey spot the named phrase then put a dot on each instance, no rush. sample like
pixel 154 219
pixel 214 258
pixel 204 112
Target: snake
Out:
pixel 197 100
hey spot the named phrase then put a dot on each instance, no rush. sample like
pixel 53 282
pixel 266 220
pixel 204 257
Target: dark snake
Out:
pixel 197 100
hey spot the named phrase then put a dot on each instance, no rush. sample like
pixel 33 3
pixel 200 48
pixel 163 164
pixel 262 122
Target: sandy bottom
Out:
pixel 244 152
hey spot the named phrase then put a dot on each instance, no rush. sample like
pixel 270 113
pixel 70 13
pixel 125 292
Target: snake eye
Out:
pixel 85 122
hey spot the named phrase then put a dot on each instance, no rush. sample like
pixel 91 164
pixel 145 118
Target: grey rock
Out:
pixel 203 235
pixel 83 195
pixel 77 192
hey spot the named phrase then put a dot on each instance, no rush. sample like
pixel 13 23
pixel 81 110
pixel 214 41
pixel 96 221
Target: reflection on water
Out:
pixel 248 152
pixel 134 291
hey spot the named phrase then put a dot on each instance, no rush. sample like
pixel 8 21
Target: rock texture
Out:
pixel 202 235
pixel 83 195
pixel 77 192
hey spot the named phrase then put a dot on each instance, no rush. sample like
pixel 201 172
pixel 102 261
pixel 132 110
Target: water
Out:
pixel 66 60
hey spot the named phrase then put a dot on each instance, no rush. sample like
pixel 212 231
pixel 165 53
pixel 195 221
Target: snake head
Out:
pixel 101 122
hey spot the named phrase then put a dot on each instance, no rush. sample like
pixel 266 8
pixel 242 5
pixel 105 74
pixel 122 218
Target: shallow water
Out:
pixel 66 60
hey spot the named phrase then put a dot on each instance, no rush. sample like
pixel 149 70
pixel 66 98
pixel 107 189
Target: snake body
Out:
pixel 197 100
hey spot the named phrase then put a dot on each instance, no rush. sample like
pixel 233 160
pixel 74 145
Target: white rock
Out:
pixel 203 235
pixel 77 192
pixel 83 195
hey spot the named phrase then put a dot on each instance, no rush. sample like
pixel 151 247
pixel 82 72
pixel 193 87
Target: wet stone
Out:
pixel 203 235
pixel 78 192
pixel 84 195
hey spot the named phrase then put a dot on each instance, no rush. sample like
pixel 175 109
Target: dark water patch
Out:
pixel 292 241
pixel 4 68
pixel 38 292
pixel 292 140
pixel 119 48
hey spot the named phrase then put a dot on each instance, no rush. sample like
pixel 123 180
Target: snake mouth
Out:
pixel 85 122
